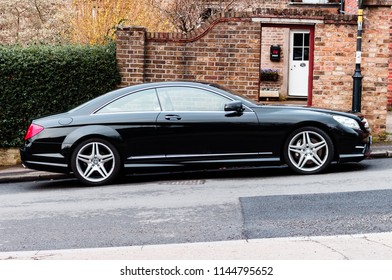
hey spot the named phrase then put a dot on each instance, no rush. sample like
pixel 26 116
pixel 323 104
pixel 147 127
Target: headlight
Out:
pixel 366 124
pixel 347 122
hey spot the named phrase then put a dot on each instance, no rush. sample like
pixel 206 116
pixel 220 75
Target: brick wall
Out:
pixel 379 25
pixel 226 52
pixel 389 95
pixel 375 65
pixel 334 62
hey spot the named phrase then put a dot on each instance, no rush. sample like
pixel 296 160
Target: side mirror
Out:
pixel 234 106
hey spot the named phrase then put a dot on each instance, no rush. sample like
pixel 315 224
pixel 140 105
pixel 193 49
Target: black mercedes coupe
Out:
pixel 189 125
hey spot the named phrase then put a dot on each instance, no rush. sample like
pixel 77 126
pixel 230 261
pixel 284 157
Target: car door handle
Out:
pixel 172 117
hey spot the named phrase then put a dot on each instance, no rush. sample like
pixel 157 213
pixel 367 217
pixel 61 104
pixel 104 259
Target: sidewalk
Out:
pixel 375 246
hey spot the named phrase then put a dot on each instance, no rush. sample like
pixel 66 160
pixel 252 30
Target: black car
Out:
pixel 189 125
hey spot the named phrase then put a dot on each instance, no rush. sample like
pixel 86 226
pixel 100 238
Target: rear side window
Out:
pixel 145 100
pixel 190 99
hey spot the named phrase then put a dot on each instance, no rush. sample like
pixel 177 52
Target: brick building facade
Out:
pixel 317 54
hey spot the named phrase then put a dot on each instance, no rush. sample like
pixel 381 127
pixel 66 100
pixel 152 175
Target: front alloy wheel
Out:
pixel 308 150
pixel 95 162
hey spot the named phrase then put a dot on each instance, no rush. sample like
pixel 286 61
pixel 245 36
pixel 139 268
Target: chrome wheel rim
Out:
pixel 95 162
pixel 308 151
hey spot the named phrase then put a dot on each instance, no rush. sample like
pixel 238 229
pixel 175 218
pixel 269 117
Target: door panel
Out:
pixel 208 133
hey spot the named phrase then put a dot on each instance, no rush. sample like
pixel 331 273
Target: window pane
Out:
pixel 306 40
pixel 297 53
pixel 306 54
pixel 298 39
pixel 145 100
pixel 190 99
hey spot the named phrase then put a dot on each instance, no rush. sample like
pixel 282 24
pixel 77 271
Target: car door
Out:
pixel 194 124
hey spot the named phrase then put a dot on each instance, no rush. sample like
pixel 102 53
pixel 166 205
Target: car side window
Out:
pixel 190 99
pixel 145 100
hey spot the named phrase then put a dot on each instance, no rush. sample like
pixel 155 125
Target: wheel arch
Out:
pixel 327 129
pixel 83 133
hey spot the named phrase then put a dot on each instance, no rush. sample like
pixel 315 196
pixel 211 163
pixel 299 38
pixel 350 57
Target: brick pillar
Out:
pixel 130 53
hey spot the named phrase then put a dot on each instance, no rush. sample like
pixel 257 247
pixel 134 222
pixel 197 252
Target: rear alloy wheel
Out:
pixel 308 150
pixel 95 162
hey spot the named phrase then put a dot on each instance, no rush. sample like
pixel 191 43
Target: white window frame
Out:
pixel 315 1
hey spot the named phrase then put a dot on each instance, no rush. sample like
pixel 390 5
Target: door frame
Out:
pixel 311 28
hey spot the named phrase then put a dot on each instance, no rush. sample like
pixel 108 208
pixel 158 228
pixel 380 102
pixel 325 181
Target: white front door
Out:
pixel 299 63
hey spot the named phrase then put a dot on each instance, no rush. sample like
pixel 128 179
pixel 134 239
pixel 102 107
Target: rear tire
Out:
pixel 96 162
pixel 308 150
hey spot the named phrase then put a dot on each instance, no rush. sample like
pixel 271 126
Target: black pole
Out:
pixel 357 77
pixel 341 9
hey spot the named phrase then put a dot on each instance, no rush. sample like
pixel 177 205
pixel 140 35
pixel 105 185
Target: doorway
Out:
pixel 299 63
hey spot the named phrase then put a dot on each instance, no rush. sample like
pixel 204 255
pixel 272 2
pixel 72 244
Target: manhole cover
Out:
pixel 184 182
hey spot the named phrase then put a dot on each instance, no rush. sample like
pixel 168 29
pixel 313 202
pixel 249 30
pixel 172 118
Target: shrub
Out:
pixel 269 74
pixel 40 80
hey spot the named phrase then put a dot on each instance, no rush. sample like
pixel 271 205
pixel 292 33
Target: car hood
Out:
pixel 315 109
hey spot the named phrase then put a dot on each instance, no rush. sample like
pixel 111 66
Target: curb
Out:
pixel 381 154
pixel 382 151
pixel 28 176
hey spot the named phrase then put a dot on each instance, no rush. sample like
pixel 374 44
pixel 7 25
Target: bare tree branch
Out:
pixel 187 15
pixel 38 11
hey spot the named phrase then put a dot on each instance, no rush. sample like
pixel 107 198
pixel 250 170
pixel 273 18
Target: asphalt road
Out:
pixel 201 206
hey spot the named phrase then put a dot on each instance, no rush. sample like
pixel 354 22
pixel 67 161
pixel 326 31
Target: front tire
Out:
pixel 96 162
pixel 308 150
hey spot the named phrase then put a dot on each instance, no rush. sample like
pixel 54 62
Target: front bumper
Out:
pixel 359 152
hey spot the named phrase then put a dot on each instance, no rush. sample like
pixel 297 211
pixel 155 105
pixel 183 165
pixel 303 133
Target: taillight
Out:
pixel 33 130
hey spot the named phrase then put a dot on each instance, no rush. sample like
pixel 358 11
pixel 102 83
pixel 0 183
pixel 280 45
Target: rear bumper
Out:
pixel 52 162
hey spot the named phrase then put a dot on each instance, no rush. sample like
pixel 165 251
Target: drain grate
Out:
pixel 183 182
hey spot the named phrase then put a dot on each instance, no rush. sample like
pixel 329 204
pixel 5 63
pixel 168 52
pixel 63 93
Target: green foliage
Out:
pixel 41 80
